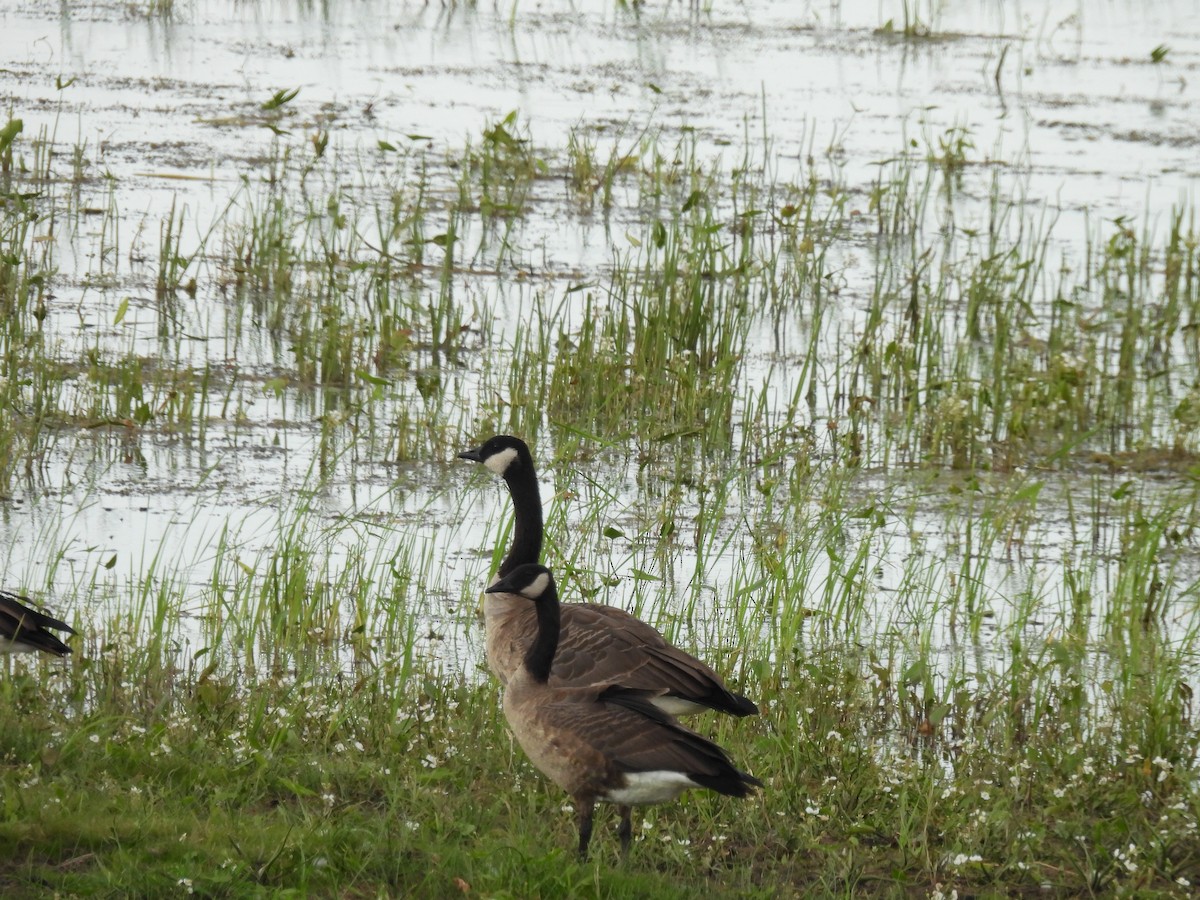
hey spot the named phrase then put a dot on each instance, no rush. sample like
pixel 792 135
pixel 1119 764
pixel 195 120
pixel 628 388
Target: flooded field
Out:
pixel 272 251
pixel 865 330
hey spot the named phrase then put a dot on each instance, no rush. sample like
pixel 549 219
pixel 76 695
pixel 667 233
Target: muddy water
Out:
pixel 167 110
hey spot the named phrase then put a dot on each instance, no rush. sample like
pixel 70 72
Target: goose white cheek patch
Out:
pixel 538 586
pixel 499 462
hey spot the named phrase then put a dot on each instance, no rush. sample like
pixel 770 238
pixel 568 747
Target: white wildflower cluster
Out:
pixel 237 744
pixel 1164 768
pixel 1176 821
pixel 983 784
pixel 1127 857
pixel 432 760
pixel 961 859
pixel 163 749
pixel 812 809
pixel 943 893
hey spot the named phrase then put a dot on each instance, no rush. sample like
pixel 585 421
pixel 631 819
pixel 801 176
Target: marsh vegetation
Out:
pixel 897 426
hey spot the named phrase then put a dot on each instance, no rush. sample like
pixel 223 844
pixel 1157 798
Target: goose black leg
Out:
pixel 625 831
pixel 586 808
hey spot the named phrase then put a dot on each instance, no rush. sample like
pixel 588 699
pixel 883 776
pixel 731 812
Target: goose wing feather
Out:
pixel 23 625
pixel 606 645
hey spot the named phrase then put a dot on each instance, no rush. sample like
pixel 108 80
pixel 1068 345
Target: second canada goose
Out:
pixel 603 742
pixel 598 643
pixel 23 630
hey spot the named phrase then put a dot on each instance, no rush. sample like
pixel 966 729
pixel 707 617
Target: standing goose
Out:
pixel 23 630
pixel 598 644
pixel 602 742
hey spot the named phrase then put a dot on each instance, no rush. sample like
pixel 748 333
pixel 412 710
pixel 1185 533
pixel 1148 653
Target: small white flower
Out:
pixel 94 738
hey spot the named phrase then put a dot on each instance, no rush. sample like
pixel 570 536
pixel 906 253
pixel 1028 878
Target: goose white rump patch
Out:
pixel 7 646
pixel 650 787
pixel 677 706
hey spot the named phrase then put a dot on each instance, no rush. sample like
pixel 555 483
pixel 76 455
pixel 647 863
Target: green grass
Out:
pixel 121 778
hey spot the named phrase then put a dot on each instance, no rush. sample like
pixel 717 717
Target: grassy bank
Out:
pixel 119 778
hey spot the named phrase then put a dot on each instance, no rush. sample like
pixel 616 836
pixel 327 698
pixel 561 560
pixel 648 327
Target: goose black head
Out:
pixel 533 582
pixel 502 454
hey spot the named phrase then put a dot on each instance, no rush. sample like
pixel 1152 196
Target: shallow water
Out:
pixel 1061 103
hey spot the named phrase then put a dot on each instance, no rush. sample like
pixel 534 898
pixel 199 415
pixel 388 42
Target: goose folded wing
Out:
pixel 606 645
pixel 624 729
pixel 20 623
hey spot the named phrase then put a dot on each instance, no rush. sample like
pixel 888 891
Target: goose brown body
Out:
pixel 24 630
pixel 602 742
pixel 599 644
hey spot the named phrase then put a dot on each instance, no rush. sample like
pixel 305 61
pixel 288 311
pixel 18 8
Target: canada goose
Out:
pixel 23 630
pixel 598 643
pixel 605 741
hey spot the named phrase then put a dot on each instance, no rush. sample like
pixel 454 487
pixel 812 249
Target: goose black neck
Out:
pixel 527 526
pixel 541 652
